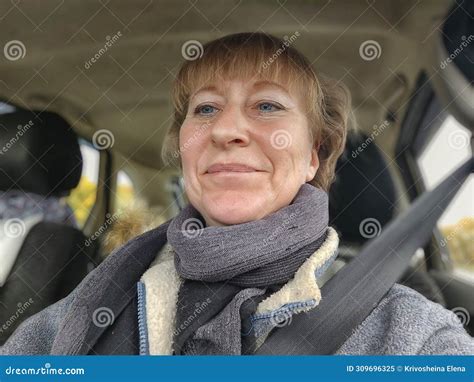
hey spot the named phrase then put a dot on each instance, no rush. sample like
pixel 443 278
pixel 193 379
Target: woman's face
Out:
pixel 245 150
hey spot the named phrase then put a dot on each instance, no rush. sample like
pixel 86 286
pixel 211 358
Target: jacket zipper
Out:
pixel 142 327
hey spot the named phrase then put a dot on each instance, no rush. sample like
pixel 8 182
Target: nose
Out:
pixel 231 128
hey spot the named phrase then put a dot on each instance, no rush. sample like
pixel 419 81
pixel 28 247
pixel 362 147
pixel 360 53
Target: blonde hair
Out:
pixel 262 56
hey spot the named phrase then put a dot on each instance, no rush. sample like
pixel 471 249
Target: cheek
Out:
pixel 300 149
pixel 189 145
pixel 193 140
pixel 189 152
pixel 286 145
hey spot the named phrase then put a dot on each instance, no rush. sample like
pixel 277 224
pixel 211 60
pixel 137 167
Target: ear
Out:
pixel 313 165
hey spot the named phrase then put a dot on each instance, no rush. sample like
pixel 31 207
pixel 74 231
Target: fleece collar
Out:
pixel 162 284
pixel 303 286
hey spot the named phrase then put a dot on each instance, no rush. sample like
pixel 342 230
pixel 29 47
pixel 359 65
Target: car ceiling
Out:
pixel 127 90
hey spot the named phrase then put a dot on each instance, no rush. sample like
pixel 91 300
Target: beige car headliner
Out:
pixel 127 90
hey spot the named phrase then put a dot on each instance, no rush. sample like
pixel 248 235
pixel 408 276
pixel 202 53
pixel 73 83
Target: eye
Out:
pixel 205 110
pixel 267 107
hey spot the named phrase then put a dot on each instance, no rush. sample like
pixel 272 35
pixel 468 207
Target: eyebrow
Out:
pixel 266 83
pixel 208 88
pixel 256 85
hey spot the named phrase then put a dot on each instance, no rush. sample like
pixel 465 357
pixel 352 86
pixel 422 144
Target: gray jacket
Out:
pixel 404 322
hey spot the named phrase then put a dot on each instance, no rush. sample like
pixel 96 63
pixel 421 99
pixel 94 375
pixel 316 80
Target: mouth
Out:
pixel 230 168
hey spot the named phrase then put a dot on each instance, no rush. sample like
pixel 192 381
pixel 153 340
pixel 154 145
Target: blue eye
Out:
pixel 268 107
pixel 205 109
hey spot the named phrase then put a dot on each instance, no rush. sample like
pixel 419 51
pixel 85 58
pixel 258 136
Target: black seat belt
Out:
pixel 351 295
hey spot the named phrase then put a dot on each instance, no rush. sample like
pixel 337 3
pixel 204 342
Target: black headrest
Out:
pixel 39 153
pixel 363 192
pixel 457 36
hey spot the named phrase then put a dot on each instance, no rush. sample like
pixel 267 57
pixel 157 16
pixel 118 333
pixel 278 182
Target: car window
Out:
pixel 6 108
pixel 125 194
pixel 83 197
pixel 447 150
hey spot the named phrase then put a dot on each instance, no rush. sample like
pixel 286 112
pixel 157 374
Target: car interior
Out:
pixel 85 106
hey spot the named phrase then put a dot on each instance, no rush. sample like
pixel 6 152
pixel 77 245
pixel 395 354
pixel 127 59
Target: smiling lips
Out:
pixel 229 167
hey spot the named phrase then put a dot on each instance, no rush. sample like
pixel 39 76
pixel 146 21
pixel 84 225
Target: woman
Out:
pixel 257 135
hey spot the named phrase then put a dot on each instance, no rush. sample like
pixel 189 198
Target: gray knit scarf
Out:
pixel 228 270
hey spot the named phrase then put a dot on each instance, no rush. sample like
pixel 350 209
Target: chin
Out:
pixel 229 209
